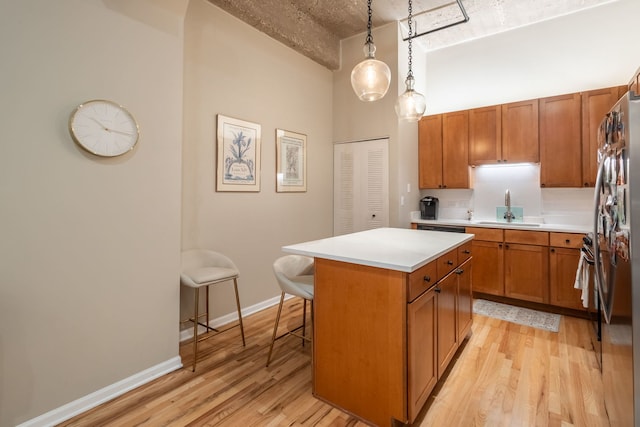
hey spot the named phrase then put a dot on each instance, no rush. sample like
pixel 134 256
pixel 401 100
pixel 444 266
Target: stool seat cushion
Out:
pixel 197 277
pixel 304 284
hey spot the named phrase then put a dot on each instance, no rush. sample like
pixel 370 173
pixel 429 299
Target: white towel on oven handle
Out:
pixel 583 274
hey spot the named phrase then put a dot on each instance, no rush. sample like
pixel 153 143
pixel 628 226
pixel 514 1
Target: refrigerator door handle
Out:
pixel 599 274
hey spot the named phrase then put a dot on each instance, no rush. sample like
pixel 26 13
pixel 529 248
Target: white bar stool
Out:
pixel 203 268
pixel 294 274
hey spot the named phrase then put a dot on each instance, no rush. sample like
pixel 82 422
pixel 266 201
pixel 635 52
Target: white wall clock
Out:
pixel 104 128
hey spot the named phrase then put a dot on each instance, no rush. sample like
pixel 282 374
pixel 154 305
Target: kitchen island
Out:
pixel 391 307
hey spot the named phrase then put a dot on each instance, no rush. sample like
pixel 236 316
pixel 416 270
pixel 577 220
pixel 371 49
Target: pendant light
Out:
pixel 410 105
pixel 370 78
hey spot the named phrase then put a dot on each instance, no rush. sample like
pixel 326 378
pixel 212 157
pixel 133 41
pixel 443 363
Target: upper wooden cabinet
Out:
pixel 520 132
pixel 504 133
pixel 455 150
pixel 560 141
pixel 559 132
pixel 595 104
pixel 430 151
pixel 443 150
pixel 485 135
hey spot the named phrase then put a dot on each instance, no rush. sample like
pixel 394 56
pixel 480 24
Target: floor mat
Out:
pixel 519 315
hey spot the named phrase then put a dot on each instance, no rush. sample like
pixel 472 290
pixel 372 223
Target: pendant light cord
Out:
pixel 409 21
pixel 369 39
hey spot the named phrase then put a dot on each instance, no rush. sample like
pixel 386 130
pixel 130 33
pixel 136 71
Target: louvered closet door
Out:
pixel 360 186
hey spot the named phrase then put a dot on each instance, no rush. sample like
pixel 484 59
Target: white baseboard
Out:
pixel 109 392
pixel 112 391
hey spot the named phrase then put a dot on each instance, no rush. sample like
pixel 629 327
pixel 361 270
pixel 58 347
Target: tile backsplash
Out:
pixel 557 205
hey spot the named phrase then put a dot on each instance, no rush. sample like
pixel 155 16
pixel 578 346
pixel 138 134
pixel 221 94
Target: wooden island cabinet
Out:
pixel 385 329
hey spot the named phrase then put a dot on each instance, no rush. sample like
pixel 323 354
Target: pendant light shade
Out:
pixel 370 79
pixel 410 105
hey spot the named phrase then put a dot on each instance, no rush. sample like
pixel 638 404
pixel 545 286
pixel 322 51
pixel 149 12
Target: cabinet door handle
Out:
pixel 500 245
pixel 438 290
pixel 567 241
pixel 466 251
pixel 553 250
pixel 427 278
pixel 459 271
pixel 506 246
pixel 449 262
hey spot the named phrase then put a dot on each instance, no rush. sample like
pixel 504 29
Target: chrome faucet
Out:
pixel 508 215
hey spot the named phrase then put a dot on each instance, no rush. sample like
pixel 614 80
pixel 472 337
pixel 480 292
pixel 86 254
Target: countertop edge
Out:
pixel 297 249
pixel 553 228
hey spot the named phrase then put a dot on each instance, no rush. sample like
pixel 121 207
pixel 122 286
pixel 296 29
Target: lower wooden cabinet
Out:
pixel 422 365
pixel 465 299
pixel 527 265
pixel 382 337
pixel 526 275
pixel 564 255
pixel 438 320
pixel 488 274
pixel 447 334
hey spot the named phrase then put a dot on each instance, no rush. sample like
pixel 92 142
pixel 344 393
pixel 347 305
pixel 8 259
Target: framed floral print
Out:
pixel 238 155
pixel 291 161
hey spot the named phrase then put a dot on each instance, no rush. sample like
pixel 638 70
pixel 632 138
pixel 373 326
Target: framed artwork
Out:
pixel 291 161
pixel 238 155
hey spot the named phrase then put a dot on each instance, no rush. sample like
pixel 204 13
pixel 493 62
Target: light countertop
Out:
pixel 565 224
pixel 391 248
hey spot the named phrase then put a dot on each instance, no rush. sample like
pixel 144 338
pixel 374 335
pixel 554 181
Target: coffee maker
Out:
pixel 429 207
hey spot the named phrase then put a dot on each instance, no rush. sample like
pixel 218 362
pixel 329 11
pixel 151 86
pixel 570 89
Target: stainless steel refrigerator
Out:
pixel 617 258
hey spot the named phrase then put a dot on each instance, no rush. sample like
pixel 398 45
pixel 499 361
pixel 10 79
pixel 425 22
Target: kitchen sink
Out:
pixel 510 224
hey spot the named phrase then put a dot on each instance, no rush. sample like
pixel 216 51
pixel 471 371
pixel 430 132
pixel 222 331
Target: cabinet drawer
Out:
pixel 565 240
pixel 422 279
pixel 487 234
pixel 447 262
pixel 540 238
pixel 464 252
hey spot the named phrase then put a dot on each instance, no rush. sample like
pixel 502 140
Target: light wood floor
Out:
pixel 505 375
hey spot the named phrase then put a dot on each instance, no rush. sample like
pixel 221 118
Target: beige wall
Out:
pixel 355 120
pixel 89 253
pixel 234 70
pixel 90 247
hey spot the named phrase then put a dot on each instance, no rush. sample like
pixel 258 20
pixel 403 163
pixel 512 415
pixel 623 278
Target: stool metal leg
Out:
pixel 235 286
pixel 275 329
pixel 207 309
pixel 195 328
pixel 304 320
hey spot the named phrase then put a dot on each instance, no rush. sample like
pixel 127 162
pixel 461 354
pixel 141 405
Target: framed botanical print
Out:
pixel 238 155
pixel 291 161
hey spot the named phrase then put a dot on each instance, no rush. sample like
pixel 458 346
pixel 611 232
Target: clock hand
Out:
pixel 101 125
pixel 110 130
pixel 118 131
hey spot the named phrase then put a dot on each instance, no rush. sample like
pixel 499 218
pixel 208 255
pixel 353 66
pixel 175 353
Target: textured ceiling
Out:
pixel 315 27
